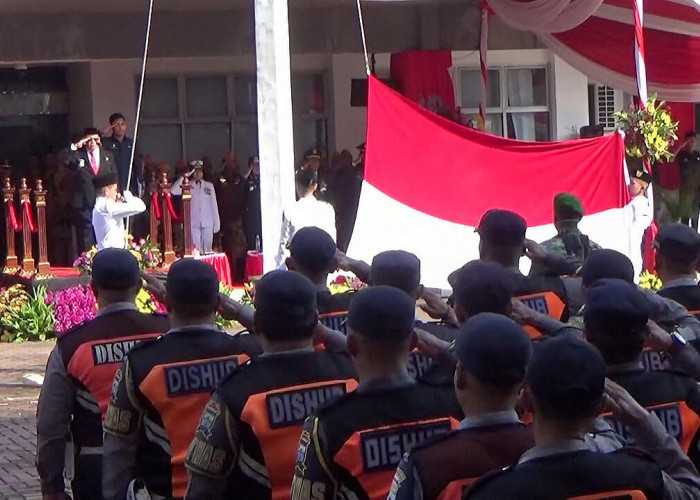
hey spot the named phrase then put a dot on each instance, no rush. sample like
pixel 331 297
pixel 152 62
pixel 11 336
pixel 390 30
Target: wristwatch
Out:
pixel 678 339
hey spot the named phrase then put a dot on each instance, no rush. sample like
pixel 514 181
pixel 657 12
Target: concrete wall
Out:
pixel 113 86
pixel 570 99
pixel 80 100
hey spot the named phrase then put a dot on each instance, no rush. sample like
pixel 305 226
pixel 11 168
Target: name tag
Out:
pixel 383 449
pixel 197 377
pixel 111 352
pixel 292 407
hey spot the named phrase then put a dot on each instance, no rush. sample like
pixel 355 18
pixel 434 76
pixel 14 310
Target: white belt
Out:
pixel 90 450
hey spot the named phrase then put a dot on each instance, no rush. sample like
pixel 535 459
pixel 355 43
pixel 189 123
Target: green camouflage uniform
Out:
pixel 557 246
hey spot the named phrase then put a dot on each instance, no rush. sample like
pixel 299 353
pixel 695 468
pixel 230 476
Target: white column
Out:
pixel 275 129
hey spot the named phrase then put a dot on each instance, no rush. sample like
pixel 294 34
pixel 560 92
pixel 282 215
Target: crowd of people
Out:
pixel 570 382
pixel 225 207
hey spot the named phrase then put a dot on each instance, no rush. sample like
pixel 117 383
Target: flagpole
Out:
pixel 364 38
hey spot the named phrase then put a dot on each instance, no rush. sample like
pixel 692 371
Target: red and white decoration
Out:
pixel 428 181
pixel 598 38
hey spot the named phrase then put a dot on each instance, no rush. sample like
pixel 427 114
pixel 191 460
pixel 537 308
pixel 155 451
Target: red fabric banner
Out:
pixel 423 76
pixel 671 58
pixel 456 174
pixel 155 203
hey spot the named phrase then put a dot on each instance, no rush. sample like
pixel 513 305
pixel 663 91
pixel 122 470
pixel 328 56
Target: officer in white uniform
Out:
pixel 641 214
pixel 204 219
pixel 308 211
pixel 110 210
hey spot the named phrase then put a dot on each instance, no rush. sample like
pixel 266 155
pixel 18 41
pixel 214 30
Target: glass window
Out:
pixel 160 99
pixel 245 140
pixel 309 134
pixel 246 92
pixel 529 126
pixel 307 94
pixel 208 139
pixel 207 97
pixel 527 87
pixel 470 82
pixel 162 142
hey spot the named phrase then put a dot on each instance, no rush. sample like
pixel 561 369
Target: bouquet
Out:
pixel 146 252
pixel 649 132
pixel 648 281
pixel 84 261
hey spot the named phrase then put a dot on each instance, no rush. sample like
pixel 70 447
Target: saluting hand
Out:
pixel 623 406
pixel 534 251
pixel 520 313
pixel 154 285
pixel 430 345
pixel 434 306
pixel 657 339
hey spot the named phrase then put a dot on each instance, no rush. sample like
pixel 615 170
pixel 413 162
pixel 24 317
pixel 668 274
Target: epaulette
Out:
pixel 636 453
pixel 143 344
pixel 72 329
pixel 488 478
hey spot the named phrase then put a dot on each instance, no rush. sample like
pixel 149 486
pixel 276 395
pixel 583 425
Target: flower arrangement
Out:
pixel 84 261
pixel 71 306
pixel 146 252
pixel 343 283
pixel 649 132
pixel 26 316
pixel 649 281
pixel 148 303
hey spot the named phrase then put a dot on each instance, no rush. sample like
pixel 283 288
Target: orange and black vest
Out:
pixel 174 377
pixel 91 353
pixel 673 397
pixel 365 434
pixel 544 294
pixel 448 465
pixel 580 475
pixel 333 309
pixel 270 397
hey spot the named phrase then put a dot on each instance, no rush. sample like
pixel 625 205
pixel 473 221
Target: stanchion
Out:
pixel 154 212
pixel 168 253
pixel 186 215
pixel 40 198
pixel 11 223
pixel 27 227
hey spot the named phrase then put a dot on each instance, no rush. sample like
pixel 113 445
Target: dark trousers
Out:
pixel 87 484
pixel 84 236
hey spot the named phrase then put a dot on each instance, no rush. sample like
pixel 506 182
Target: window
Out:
pixel 309 110
pixel 605 106
pixel 517 101
pixel 195 116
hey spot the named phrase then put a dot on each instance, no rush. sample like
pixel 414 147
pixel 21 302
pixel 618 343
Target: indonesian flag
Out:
pixel 428 182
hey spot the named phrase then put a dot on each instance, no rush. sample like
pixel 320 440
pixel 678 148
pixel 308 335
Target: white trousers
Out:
pixel 203 239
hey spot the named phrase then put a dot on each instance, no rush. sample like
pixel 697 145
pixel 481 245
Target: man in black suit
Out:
pixel 87 159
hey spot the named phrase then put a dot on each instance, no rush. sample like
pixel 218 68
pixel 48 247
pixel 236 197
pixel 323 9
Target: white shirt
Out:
pixel 306 212
pixel 108 219
pixel 204 210
pixel 641 214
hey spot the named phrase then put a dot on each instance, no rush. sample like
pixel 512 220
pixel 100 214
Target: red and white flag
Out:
pixel 428 181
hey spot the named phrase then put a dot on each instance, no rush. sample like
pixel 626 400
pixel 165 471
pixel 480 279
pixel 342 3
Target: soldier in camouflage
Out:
pixel 569 242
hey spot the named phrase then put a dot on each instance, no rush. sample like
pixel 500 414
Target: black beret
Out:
pixel 480 286
pixel 606 263
pixel 494 349
pixel 615 308
pixel 115 269
pixel 312 153
pixel 678 242
pixel 396 268
pixel 105 180
pixel 642 175
pixel 192 281
pixel 502 228
pixel 313 248
pixel 566 373
pixel 382 313
pixel 286 295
